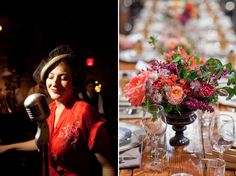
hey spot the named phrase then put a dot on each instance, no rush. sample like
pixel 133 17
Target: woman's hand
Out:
pixel 107 169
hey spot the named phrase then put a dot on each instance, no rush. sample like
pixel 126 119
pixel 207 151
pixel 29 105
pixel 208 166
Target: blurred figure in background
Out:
pixel 8 86
pixel 92 97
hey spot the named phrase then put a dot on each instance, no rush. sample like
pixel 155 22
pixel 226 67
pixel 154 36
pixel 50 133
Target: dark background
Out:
pixel 29 33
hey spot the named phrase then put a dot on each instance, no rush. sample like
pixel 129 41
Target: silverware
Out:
pixel 122 159
pixel 131 111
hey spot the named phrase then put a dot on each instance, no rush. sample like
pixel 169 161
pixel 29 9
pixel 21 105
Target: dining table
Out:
pixel 185 159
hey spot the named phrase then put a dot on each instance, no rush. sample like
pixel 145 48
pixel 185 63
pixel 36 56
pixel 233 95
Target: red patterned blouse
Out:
pixel 75 139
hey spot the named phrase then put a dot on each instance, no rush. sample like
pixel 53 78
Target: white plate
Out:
pixel 137 134
pixel 124 136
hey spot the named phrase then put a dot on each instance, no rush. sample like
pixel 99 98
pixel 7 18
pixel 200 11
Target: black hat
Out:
pixel 56 55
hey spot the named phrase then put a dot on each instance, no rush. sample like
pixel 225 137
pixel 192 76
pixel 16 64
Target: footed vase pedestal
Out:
pixel 179 122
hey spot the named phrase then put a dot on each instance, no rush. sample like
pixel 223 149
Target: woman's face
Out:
pixel 59 83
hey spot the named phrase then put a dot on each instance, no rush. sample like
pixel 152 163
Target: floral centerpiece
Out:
pixel 183 81
pixel 183 12
pixel 190 11
pixel 170 42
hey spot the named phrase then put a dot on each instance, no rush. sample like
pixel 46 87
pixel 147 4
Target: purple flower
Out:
pixel 195 104
pixel 173 68
pixel 156 97
pixel 195 85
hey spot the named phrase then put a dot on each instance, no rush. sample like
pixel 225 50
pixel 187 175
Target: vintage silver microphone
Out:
pixel 37 108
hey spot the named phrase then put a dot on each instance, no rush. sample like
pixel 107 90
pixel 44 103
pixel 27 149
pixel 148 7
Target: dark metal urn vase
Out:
pixel 179 122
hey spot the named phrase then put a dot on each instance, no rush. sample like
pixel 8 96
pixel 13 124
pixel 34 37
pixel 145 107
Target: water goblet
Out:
pixel 222 133
pixel 215 167
pixel 154 124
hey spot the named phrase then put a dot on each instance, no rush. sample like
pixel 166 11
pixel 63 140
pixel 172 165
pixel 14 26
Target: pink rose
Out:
pixel 135 89
pixel 174 95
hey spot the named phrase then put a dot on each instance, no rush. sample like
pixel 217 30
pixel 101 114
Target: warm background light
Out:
pixel 90 61
pixel 98 88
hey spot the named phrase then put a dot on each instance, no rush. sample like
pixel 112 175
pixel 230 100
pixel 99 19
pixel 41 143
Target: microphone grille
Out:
pixel 36 106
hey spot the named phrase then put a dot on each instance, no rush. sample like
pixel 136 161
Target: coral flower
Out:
pixel 135 89
pixel 175 95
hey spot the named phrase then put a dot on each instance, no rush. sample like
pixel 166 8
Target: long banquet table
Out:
pixel 180 159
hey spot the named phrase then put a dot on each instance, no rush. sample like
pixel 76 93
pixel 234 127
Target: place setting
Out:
pixel 130 145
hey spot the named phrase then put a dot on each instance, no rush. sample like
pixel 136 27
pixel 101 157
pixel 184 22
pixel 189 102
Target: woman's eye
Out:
pixel 64 77
pixel 50 77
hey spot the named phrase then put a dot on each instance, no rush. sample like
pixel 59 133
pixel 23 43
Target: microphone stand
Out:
pixel 38 110
pixel 42 138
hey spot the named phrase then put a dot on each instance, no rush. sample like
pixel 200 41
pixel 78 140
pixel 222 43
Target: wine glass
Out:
pixel 154 124
pixel 222 133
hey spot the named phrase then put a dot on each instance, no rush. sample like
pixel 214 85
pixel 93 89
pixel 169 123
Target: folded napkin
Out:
pixel 130 158
pixel 229 157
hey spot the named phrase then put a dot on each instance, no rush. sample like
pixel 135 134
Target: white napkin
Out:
pixel 130 158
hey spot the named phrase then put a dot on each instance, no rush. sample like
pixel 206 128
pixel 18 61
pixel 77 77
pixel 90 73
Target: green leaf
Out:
pixel 192 75
pixel 212 99
pixel 177 59
pixel 147 103
pixel 231 80
pixel 191 63
pixel 182 73
pixel 154 115
pixel 229 66
pixel 167 106
pixel 197 59
pixel 219 71
pixel 152 40
pixel 211 65
pixel 231 92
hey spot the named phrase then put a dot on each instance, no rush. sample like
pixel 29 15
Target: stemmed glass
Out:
pixel 154 124
pixel 222 133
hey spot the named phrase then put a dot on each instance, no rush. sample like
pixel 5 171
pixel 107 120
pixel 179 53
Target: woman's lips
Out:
pixel 56 91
